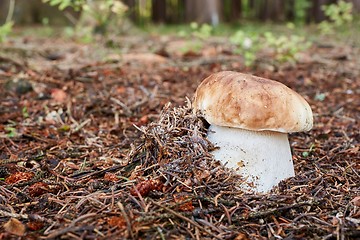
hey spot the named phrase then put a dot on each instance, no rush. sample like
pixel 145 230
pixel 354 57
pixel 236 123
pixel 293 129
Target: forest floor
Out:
pixel 91 149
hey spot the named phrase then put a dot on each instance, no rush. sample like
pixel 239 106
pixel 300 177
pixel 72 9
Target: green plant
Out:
pixel 11 132
pixel 6 28
pixel 320 96
pixel 284 47
pixel 311 149
pixel 300 10
pixel 25 112
pixel 203 31
pixel 200 32
pixel 246 45
pixel 10 129
pixel 339 15
pixel 62 4
pixel 193 46
pixel 102 12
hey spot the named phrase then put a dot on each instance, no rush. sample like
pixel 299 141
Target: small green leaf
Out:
pixel 11 132
pixel 25 112
pixel 64 128
pixel 320 97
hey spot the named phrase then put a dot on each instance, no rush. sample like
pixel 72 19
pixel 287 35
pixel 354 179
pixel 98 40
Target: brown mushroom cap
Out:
pixel 244 101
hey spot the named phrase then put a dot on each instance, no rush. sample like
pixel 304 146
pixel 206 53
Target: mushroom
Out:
pixel 249 120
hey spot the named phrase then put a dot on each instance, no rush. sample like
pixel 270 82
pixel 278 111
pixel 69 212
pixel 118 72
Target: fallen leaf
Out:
pixel 140 57
pixel 15 227
pixel 58 95
pixel 38 189
pixel 354 150
pixel 185 203
pixel 111 177
pixel 334 221
pixel 191 54
pixel 203 174
pixel 356 201
pixel 116 221
pixel 241 236
pixel 209 51
pixel 120 90
pixel 35 226
pixel 145 187
pixel 19 177
pixel 143 121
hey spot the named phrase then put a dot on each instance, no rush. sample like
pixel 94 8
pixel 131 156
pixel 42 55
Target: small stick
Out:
pixel 25 216
pixel 185 219
pixel 123 105
pixel 274 210
pixel 125 215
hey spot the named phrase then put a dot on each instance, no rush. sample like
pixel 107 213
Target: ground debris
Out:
pixel 96 152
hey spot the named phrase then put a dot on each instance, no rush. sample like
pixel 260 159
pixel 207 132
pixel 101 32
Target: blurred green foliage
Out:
pixel 247 45
pixel 339 15
pixel 102 12
pixel 284 48
pixel 62 4
pixel 301 10
pixel 5 30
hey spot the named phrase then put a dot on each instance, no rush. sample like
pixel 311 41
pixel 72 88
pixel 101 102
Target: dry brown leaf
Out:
pixel 210 51
pixel 116 221
pixel 120 90
pixel 356 201
pixel 146 186
pixel 111 177
pixel 19 177
pixel 38 189
pixel 58 95
pixel 241 236
pixel 15 227
pixel 185 203
pixel 140 57
pixel 204 174
pixel 35 226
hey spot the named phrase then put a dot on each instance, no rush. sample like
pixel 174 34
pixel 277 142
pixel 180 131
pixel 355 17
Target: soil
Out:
pixel 98 141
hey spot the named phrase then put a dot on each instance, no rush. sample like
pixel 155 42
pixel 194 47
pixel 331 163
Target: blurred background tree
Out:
pixel 182 11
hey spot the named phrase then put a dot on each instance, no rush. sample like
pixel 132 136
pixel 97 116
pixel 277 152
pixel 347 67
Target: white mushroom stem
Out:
pixel 263 158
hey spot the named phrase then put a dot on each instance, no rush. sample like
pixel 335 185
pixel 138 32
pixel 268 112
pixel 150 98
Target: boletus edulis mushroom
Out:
pixel 249 120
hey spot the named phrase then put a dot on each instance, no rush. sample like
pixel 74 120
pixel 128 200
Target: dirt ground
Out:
pixel 88 151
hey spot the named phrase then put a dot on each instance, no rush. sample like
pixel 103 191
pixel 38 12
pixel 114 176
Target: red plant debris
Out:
pixel 184 202
pixel 19 177
pixel 35 226
pixel 111 177
pixel 115 221
pixel 144 187
pixel 91 149
pixel 38 189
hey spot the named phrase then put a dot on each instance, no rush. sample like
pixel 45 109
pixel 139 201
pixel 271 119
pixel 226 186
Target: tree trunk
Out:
pixel 236 10
pixel 34 11
pixel 158 11
pixel 203 11
pixel 272 10
pixel 4 8
pixel 356 6
pixel 316 14
pixel 133 9
pixel 290 10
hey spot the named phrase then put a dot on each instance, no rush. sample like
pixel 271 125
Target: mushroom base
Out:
pixel 263 158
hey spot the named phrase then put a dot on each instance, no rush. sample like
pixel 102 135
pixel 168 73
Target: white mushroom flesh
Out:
pixel 263 158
